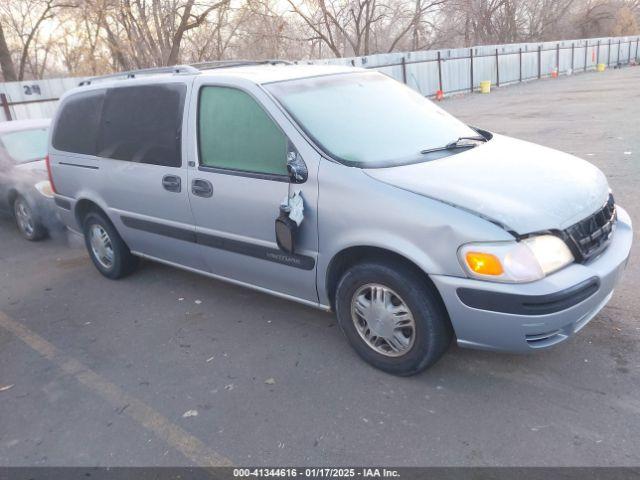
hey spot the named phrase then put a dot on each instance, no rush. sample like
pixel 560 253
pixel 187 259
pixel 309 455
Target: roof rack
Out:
pixel 236 63
pixel 176 69
pixel 193 68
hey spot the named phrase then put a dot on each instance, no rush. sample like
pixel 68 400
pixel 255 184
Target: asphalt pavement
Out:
pixel 170 368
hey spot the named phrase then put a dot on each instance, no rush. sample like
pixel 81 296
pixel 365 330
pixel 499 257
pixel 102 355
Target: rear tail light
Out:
pixel 48 162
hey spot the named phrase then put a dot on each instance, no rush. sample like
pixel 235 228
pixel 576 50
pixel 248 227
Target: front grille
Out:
pixel 590 236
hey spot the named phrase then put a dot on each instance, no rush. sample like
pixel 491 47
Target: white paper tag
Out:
pixel 296 206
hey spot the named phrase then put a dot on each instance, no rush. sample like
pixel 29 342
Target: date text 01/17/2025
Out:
pixel 322 473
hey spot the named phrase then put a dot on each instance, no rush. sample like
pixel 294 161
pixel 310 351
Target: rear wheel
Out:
pixel 27 220
pixel 392 317
pixel 107 250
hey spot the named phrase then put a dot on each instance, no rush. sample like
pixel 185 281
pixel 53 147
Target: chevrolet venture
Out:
pixel 342 189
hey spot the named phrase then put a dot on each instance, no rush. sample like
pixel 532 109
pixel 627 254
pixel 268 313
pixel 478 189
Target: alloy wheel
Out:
pixel 24 217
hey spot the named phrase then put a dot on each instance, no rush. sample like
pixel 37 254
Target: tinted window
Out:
pixel 143 124
pixel 26 145
pixel 234 132
pixel 76 130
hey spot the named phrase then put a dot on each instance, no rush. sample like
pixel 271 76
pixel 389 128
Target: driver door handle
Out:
pixel 201 188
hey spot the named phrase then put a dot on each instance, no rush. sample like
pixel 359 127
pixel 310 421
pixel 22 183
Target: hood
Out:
pixel 523 186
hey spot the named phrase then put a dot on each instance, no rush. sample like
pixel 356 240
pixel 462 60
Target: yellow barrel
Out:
pixel 600 67
pixel 485 86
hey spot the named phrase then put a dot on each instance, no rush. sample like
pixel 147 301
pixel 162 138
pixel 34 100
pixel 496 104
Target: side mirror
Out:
pixel 297 169
pixel 286 231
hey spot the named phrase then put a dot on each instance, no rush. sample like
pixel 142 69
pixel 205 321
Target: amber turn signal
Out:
pixel 484 263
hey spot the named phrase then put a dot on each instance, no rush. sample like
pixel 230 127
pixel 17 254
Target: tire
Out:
pixel 107 250
pixel 27 220
pixel 361 292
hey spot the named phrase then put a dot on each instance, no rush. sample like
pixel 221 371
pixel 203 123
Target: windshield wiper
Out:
pixel 459 143
pixel 478 138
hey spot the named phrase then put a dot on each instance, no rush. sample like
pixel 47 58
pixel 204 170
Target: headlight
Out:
pixel 515 262
pixel 44 187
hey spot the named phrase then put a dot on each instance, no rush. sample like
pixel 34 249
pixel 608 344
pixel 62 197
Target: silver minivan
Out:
pixel 342 189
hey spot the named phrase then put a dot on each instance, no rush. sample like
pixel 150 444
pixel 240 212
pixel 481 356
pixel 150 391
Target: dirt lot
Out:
pixel 104 372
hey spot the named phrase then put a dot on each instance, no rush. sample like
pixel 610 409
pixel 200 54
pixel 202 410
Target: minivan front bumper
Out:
pixel 524 317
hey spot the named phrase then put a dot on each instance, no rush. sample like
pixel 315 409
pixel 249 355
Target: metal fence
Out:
pixel 448 70
pixel 462 69
pixel 32 98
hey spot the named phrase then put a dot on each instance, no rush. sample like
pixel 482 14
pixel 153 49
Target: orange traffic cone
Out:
pixel 439 95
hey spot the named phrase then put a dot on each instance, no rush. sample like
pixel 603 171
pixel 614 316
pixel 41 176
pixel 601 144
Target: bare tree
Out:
pixel 362 27
pixel 417 24
pixel 214 39
pixel 27 20
pixel 151 32
pixel 323 22
pixel 626 22
pixel 88 37
pixel 6 62
pixel 605 17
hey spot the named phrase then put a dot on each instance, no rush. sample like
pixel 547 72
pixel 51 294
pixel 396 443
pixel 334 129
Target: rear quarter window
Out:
pixel 76 129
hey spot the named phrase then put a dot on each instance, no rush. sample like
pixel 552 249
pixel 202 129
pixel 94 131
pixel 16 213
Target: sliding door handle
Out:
pixel 201 188
pixel 172 183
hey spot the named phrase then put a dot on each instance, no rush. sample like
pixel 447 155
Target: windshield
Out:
pixel 368 119
pixel 26 145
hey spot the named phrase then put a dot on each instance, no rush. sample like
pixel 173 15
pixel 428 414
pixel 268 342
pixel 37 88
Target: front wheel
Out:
pixel 392 317
pixel 27 221
pixel 107 250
